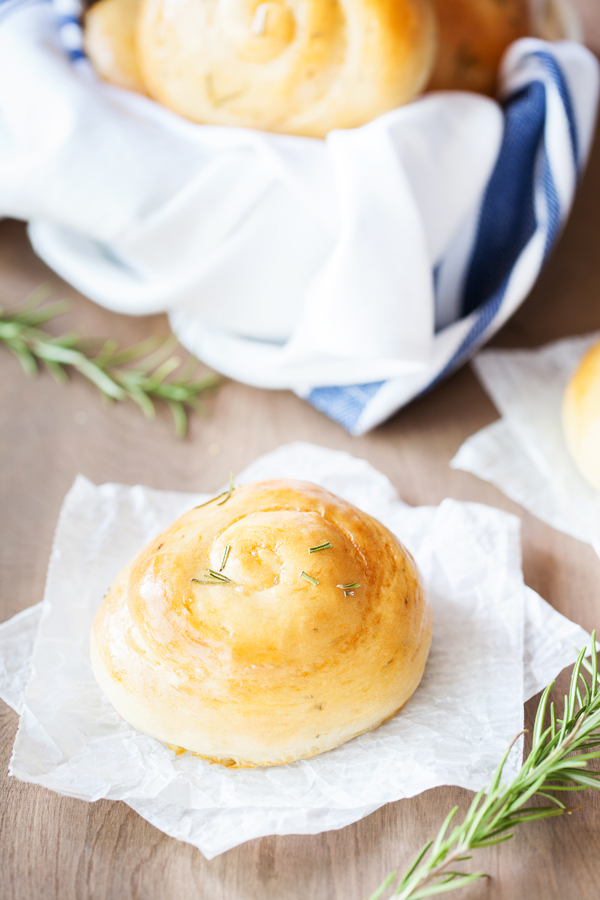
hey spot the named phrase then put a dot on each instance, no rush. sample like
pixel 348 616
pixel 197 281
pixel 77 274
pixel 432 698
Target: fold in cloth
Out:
pixel 357 271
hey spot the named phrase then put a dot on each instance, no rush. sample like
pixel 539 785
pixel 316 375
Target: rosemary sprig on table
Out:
pixel 110 369
pixel 558 761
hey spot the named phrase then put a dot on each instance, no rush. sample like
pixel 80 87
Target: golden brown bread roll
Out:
pixel 293 66
pixel 108 40
pixel 291 654
pixel 581 416
pixel 473 35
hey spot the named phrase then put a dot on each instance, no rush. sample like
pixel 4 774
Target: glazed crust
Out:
pixel 293 66
pixel 581 416
pixel 270 667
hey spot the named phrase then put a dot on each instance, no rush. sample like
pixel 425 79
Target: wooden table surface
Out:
pixel 54 847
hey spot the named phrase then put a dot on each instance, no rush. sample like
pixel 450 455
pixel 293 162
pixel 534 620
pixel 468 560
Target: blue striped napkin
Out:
pixel 520 219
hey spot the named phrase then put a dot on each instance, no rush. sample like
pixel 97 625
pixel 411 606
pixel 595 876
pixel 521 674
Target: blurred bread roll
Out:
pixel 473 35
pixel 581 416
pixel 293 66
pixel 109 42
pixel 280 653
pixel 296 66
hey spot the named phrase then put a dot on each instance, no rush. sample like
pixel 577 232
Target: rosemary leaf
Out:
pixel 219 577
pixel 143 401
pixel 179 416
pixel 23 354
pixel 212 577
pixel 229 492
pixel 57 371
pixel 132 353
pixel 308 577
pixel 212 500
pixel 325 546
pixel 225 557
pixel 40 316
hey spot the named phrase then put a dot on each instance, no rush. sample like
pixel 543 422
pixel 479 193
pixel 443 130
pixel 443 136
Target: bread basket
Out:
pixel 358 271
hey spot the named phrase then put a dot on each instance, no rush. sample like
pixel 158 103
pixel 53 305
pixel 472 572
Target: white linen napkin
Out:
pixel 495 644
pixel 345 269
pixel 524 454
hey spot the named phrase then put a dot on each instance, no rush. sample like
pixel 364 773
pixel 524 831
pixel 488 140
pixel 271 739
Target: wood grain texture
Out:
pixel 54 848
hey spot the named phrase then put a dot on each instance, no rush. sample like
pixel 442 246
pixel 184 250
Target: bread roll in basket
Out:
pixel 308 66
pixel 294 66
pixel 473 35
pixel 271 624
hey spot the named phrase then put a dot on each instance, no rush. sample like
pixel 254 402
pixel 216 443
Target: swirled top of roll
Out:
pixel 229 637
pixel 294 66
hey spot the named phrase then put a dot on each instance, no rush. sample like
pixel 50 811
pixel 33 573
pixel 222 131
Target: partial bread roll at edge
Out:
pixel 295 66
pixel 581 416
pixel 473 36
pixel 292 654
pixel 109 42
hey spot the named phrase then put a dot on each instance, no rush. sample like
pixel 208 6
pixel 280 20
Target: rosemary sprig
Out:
pixel 558 761
pixel 308 577
pixel 326 546
pixel 349 589
pixel 110 369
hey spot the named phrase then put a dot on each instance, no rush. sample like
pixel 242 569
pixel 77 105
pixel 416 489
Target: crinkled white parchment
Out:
pixel 524 454
pixel 495 643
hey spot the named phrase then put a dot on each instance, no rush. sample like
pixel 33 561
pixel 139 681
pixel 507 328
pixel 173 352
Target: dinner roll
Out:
pixel 473 35
pixel 295 66
pixel 271 624
pixel 581 416
pixel 108 40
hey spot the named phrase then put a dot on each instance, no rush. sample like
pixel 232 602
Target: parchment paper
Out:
pixel 495 643
pixel 525 454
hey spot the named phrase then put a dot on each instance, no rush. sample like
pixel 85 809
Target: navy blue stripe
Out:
pixel 471 343
pixel 490 308
pixel 506 224
pixel 565 95
pixel 553 206
pixel 507 219
pixel 344 404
